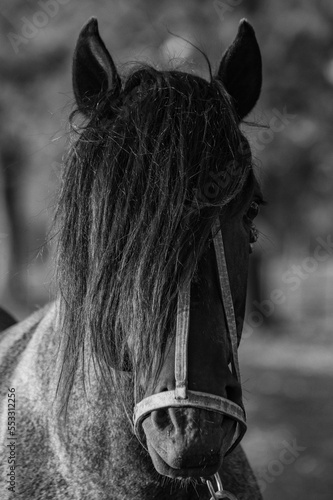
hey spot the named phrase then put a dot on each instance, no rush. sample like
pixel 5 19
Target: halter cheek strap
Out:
pixel 181 396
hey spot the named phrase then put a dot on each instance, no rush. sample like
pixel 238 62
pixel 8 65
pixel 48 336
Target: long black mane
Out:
pixel 133 219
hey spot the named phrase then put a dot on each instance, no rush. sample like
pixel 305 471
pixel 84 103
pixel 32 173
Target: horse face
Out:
pixel 185 442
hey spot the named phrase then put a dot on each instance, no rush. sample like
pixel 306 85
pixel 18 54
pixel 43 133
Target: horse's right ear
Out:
pixel 94 71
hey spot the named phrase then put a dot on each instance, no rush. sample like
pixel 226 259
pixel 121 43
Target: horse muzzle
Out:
pixel 188 436
pixel 187 442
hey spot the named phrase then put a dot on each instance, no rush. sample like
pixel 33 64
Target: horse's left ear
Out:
pixel 240 70
pixel 94 71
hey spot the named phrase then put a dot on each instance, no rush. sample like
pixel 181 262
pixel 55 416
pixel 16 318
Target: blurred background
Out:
pixel 286 353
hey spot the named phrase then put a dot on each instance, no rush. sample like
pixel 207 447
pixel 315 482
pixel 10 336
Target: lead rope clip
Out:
pixel 220 493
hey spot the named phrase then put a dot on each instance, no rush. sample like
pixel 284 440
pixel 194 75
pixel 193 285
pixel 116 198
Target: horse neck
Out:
pixel 96 434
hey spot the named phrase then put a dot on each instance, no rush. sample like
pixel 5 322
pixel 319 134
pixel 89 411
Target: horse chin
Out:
pixel 163 468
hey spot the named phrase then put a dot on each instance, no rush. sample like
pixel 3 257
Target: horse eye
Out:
pixel 253 211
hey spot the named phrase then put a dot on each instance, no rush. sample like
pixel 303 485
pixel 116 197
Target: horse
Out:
pixel 154 227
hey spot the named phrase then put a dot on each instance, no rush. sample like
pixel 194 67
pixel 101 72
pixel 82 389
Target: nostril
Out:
pixel 160 418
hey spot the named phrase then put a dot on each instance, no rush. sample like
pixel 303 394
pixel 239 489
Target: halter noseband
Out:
pixel 181 396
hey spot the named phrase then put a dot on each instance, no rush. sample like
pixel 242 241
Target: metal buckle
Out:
pixel 220 493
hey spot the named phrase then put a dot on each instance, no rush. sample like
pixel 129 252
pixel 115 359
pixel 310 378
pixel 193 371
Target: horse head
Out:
pixel 159 172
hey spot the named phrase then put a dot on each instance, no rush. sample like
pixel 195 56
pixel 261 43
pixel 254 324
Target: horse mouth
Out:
pixel 165 469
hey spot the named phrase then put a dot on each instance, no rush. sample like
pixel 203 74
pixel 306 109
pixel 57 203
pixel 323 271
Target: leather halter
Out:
pixel 181 396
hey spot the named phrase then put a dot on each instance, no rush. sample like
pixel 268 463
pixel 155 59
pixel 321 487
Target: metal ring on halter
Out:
pixel 211 487
pixel 220 493
pixel 181 396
